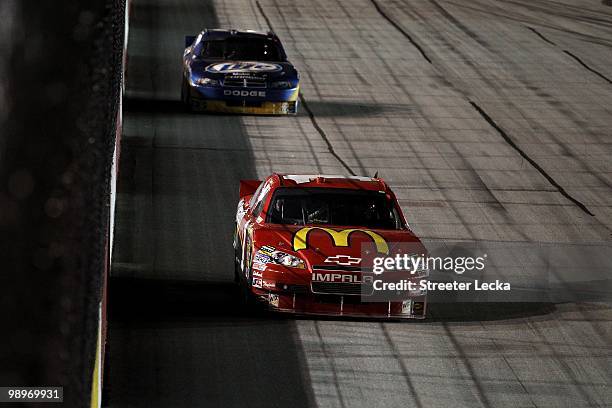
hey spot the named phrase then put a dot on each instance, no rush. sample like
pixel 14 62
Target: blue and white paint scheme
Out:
pixel 240 72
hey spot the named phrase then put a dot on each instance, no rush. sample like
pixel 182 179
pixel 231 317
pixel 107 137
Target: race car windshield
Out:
pixel 320 206
pixel 257 49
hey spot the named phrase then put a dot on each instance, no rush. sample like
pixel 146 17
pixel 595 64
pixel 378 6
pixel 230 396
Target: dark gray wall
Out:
pixel 60 70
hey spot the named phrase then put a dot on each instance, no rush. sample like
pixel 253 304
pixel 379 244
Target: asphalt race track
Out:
pixel 491 120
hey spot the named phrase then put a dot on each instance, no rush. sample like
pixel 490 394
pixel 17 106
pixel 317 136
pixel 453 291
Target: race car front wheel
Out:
pixel 185 95
pixel 247 299
pixel 237 272
pixel 245 280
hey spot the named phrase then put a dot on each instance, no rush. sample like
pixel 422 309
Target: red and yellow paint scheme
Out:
pixel 300 239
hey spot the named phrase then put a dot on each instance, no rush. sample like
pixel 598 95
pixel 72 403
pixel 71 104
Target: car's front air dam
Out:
pixel 243 107
pixel 337 305
pixel 275 102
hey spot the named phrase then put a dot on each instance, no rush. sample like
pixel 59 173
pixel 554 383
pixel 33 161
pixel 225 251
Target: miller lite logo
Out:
pixel 247 66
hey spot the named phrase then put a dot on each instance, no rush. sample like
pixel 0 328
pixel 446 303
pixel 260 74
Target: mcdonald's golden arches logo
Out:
pixel 339 238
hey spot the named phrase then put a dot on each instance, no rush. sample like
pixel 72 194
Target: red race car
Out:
pixel 301 246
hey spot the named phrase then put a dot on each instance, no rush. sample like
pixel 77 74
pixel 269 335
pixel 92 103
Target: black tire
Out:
pixel 245 281
pixel 248 260
pixel 185 96
pixel 247 299
pixel 237 273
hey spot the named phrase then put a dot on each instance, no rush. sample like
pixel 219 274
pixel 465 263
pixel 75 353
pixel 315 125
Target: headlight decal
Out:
pixel 280 85
pixel 206 82
pixel 271 255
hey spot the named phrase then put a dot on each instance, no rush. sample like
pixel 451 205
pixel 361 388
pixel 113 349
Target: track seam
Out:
pixel 541 35
pixel 332 364
pixel 512 370
pixel 321 132
pixel 491 122
pixel 524 155
pixel 313 119
pixel 480 391
pixel 482 113
pixel 599 74
pixel 405 372
pixel 401 30
pixel 571 54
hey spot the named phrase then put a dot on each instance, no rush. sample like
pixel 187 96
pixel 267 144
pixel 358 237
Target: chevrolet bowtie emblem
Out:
pixel 344 260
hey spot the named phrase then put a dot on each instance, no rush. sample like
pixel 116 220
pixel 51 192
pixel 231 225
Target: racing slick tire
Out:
pixel 185 95
pixel 247 299
pixel 236 268
pixel 237 256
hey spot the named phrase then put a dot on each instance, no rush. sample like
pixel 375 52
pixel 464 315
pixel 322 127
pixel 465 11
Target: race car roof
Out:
pixel 220 34
pixel 332 181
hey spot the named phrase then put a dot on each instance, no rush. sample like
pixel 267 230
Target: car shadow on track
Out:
pixel 486 311
pixel 135 104
pixel 171 335
pixel 357 109
pixel 465 312
pixel 165 300
pixel 149 105
pixel 161 300
pixel 168 336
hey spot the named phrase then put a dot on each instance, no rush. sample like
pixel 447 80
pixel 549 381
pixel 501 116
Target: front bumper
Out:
pixel 341 305
pixel 244 100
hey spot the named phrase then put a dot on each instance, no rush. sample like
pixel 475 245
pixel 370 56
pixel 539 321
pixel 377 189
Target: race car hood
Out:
pixel 346 246
pixel 218 69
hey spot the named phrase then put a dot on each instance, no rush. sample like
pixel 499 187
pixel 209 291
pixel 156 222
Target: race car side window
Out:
pixel 260 204
pixel 398 220
pixel 255 195
pixel 212 49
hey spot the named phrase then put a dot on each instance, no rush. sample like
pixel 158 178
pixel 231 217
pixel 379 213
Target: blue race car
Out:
pixel 238 72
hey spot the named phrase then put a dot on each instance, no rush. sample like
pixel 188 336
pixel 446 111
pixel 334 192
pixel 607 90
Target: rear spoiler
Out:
pixel 248 187
pixel 189 39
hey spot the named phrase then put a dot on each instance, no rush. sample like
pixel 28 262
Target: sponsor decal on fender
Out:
pixel 268 284
pixel 246 66
pixel 267 249
pixel 339 238
pixel 262 258
pixel 258 267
